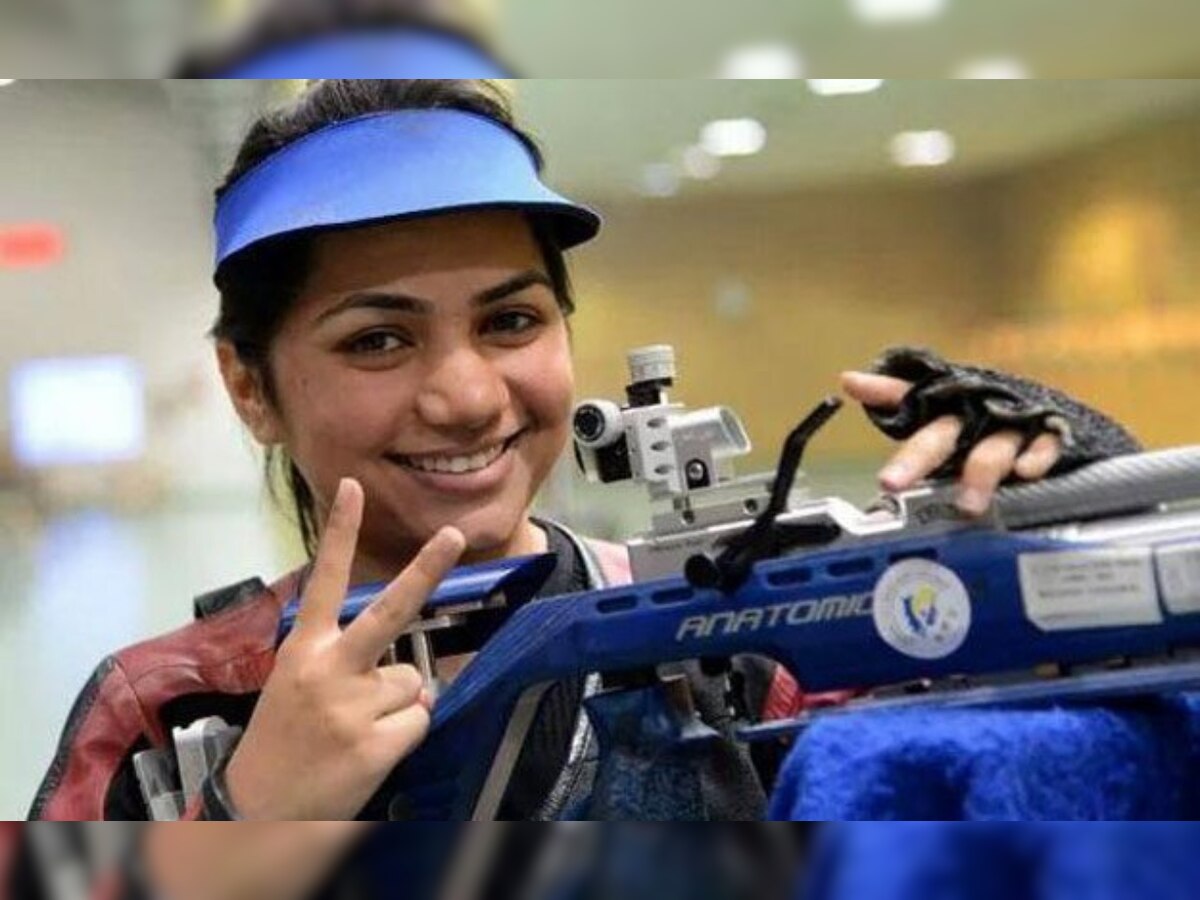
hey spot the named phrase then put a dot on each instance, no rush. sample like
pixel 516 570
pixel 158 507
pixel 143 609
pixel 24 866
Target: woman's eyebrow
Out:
pixel 513 285
pixel 378 300
pixel 395 302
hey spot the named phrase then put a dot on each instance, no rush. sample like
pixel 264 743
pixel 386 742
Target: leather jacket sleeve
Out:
pixel 104 724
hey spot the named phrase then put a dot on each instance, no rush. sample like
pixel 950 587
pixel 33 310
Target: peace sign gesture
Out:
pixel 331 722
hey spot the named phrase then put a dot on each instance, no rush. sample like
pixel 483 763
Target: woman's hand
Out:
pixel 331 722
pixel 990 462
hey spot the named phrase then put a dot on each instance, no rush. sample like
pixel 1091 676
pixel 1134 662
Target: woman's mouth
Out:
pixel 457 464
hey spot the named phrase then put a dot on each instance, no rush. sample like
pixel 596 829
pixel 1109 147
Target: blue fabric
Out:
pixel 1134 761
pixel 401 53
pixel 648 758
pixel 389 166
pixel 989 861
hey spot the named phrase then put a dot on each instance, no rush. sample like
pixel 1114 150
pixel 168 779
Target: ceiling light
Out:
pixel 998 67
pixel 889 12
pixel 838 87
pixel 763 61
pixel 698 163
pixel 922 148
pixel 732 299
pixel 733 137
pixel 659 180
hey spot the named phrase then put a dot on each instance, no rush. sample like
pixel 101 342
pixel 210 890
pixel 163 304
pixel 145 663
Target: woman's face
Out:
pixel 429 360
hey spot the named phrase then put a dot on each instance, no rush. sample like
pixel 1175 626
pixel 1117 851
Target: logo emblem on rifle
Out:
pixel 921 609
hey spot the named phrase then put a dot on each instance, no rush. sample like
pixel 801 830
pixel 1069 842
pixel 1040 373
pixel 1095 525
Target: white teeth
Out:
pixel 457 465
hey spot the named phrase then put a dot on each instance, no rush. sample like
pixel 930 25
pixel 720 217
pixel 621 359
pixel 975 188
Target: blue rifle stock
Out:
pixel 818 612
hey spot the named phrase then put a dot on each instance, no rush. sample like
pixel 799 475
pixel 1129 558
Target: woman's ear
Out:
pixel 245 388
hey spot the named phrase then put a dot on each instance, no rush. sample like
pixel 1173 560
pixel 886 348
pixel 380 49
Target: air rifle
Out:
pixel 1080 586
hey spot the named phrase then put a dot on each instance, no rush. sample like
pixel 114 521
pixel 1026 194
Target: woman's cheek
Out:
pixel 554 381
pixel 366 400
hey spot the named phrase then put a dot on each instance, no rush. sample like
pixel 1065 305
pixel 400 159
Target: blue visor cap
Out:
pixel 380 53
pixel 391 166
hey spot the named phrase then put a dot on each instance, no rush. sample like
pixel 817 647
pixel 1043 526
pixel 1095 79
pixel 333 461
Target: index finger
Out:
pixel 326 589
pixel 369 636
pixel 870 389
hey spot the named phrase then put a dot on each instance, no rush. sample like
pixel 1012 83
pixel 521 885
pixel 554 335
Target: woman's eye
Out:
pixel 512 321
pixel 375 342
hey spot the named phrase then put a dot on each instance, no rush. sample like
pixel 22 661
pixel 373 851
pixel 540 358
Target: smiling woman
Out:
pixel 393 331
pixel 429 360
pixel 259 288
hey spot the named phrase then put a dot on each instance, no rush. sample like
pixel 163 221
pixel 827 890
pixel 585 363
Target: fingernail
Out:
pixel 425 698
pixel 973 501
pixel 340 496
pixel 895 476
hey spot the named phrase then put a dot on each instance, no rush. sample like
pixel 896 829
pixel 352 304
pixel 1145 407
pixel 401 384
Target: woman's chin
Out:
pixel 490 534
pixel 489 539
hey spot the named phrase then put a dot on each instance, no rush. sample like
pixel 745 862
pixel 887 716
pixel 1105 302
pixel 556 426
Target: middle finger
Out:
pixel 922 453
pixel 368 637
pixel 989 464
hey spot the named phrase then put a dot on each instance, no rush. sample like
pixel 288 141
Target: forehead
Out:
pixel 473 246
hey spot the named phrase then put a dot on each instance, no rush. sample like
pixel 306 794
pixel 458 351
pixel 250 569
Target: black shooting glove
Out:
pixel 986 402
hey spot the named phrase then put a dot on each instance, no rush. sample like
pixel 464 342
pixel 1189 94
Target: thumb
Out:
pixel 875 390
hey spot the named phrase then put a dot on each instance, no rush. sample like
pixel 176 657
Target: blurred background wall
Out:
pixel 1051 227
pixel 93 556
pixel 1078 268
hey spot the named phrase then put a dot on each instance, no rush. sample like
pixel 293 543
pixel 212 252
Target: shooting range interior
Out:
pixel 775 230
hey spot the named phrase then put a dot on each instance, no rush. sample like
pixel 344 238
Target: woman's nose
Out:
pixel 463 390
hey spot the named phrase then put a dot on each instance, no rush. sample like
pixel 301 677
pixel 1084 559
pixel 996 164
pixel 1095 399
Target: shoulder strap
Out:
pixel 607 564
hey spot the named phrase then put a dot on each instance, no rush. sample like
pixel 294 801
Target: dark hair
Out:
pixel 287 22
pixel 259 285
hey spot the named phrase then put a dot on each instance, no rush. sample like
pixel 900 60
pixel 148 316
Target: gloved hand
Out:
pixel 977 425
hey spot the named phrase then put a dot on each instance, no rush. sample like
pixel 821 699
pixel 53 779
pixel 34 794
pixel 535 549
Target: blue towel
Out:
pixel 991 861
pixel 1132 761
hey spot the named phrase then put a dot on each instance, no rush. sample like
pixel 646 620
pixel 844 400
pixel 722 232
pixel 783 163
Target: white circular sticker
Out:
pixel 921 609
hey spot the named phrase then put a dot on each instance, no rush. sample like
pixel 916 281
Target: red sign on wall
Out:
pixel 30 246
